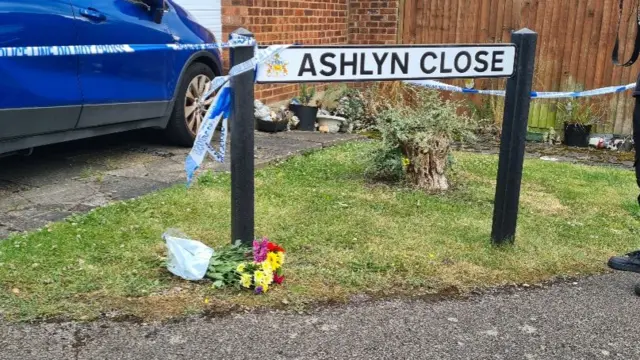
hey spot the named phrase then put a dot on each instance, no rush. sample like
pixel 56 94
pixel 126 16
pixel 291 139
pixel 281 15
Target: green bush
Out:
pixel 416 140
pixel 386 164
pixel 351 106
pixel 432 119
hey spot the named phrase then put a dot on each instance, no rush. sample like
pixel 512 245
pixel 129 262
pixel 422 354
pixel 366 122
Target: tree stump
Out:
pixel 427 166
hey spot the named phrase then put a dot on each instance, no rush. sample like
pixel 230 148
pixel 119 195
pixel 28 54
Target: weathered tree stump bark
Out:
pixel 427 166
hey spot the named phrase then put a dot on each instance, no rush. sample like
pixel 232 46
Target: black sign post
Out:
pixel 242 144
pixel 514 132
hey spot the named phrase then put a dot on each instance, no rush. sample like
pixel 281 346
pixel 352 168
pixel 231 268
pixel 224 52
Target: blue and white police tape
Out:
pixel 220 110
pixel 70 50
pixel 534 94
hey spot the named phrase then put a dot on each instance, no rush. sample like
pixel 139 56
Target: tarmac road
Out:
pixel 594 318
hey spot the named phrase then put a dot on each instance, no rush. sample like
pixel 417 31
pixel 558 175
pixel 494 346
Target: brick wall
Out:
pixel 373 22
pixel 310 22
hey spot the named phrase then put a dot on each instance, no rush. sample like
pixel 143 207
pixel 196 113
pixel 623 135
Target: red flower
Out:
pixel 274 247
pixel 278 279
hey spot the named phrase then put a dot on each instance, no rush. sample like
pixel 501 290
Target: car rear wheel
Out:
pixel 189 110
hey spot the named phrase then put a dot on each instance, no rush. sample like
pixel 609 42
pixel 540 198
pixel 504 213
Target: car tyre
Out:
pixel 188 112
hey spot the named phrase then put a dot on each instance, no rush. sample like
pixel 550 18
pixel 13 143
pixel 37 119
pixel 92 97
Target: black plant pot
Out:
pixel 271 126
pixel 576 135
pixel 307 116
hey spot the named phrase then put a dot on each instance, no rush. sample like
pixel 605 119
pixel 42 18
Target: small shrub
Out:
pixel 422 134
pixel 331 98
pixel 487 115
pixel 385 164
pixel 579 111
pixel 307 93
pixel 351 106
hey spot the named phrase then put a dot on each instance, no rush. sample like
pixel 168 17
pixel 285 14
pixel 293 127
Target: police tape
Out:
pixel 220 110
pixel 71 50
pixel 221 107
pixel 534 94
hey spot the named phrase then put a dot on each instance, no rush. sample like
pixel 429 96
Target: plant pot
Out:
pixel 576 135
pixel 535 136
pixel 330 124
pixel 307 116
pixel 271 126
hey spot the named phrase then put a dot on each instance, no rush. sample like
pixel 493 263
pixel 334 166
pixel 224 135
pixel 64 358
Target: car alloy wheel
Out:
pixel 195 108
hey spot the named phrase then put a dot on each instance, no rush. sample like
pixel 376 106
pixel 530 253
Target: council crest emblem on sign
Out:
pixel 277 67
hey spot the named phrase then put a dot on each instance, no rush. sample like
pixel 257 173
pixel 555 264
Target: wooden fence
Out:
pixel 575 42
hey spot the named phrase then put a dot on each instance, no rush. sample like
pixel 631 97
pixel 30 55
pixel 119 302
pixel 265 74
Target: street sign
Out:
pixel 308 64
pixel 387 63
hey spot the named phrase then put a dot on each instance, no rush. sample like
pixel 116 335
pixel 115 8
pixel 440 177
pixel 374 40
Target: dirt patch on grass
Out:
pixel 542 203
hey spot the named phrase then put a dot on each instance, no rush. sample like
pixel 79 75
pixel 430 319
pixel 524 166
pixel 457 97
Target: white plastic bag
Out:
pixel 187 259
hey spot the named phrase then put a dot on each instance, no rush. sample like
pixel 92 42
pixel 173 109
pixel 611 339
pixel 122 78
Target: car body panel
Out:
pixel 124 86
pixel 91 95
pixel 38 94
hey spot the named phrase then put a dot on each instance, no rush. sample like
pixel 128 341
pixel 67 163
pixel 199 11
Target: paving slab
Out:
pixel 135 171
pixel 165 170
pixel 68 193
pixel 123 188
pixel 13 202
pixel 57 171
pixel 32 218
pixel 10 187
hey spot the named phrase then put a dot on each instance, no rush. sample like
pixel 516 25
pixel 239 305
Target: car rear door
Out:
pixel 122 87
pixel 38 94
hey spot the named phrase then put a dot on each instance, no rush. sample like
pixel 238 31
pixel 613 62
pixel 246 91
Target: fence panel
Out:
pixel 575 41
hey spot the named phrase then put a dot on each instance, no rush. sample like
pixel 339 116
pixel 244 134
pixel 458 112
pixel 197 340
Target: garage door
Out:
pixel 207 12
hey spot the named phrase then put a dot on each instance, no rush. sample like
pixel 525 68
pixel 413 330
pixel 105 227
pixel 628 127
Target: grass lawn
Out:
pixel 343 235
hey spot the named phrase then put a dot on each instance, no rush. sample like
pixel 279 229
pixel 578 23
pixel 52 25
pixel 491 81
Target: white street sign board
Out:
pixel 377 63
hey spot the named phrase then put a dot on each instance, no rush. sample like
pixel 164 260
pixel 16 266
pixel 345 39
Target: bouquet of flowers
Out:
pixel 233 266
pixel 265 269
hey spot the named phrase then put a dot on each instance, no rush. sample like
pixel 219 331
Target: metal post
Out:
pixel 242 145
pixel 514 132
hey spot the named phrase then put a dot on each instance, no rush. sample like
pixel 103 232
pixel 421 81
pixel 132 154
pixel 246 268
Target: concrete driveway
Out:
pixel 57 181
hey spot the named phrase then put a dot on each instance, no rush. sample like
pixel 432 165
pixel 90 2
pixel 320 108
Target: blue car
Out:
pixel 53 99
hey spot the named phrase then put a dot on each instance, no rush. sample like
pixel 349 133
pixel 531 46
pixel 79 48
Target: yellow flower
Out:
pixel 271 260
pixel 265 288
pixel 268 272
pixel 276 259
pixel 245 280
pixel 266 266
pixel 258 277
pixel 241 268
pixel 405 161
